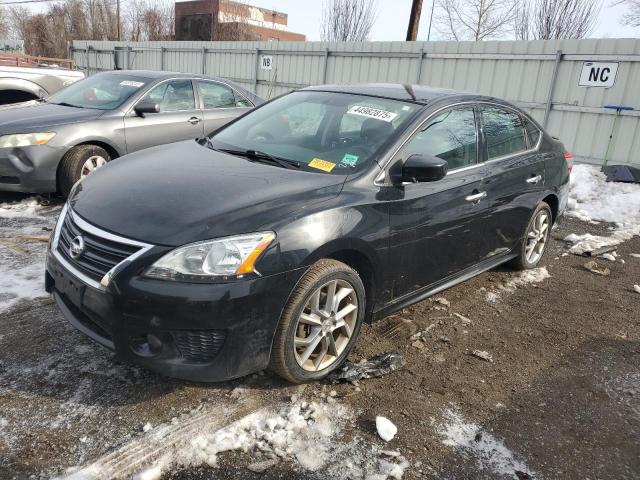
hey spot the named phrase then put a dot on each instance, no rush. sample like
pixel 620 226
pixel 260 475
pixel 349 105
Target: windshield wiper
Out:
pixel 65 104
pixel 257 155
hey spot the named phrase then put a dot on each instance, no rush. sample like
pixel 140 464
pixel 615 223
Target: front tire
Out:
pixel 320 323
pixel 79 162
pixel 535 239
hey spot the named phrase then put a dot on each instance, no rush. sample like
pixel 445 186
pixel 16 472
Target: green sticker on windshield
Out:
pixel 349 160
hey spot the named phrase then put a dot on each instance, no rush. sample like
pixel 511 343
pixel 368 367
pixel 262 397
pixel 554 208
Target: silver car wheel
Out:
pixel 537 237
pixel 325 325
pixel 92 163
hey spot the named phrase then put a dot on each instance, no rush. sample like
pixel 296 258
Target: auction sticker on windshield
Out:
pixel 322 164
pixel 372 113
pixel 129 83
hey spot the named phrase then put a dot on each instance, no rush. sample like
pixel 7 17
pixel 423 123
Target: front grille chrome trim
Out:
pixel 98 232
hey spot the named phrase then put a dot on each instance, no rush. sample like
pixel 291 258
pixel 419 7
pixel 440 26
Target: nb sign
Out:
pixel 266 62
pixel 598 74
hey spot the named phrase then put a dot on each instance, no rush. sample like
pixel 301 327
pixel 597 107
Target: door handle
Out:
pixel 534 180
pixel 194 120
pixel 476 197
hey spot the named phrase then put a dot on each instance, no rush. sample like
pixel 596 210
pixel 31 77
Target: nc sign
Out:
pixel 598 74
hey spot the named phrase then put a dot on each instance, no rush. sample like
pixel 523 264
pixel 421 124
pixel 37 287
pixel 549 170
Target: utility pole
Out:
pixel 433 6
pixel 414 21
pixel 118 17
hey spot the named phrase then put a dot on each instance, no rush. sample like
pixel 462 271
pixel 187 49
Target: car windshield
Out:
pixel 101 91
pixel 318 131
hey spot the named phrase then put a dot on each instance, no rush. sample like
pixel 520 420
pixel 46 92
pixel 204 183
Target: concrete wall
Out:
pixel 540 76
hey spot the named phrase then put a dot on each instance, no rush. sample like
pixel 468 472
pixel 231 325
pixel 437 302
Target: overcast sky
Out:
pixel 393 17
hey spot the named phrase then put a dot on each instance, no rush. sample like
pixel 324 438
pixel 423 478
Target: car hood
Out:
pixel 182 193
pixel 30 117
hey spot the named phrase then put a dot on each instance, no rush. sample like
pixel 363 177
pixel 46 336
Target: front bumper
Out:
pixel 29 169
pixel 200 332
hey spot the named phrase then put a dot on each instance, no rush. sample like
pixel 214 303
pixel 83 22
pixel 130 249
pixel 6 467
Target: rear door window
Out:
pixel 503 132
pixel 216 95
pixel 450 136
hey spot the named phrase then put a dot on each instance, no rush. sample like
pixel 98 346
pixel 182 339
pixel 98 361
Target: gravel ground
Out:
pixel 556 396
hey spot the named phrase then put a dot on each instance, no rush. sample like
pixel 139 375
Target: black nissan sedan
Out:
pixel 269 242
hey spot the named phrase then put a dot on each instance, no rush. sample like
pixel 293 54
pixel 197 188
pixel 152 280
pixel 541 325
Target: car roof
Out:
pixel 397 91
pixel 157 74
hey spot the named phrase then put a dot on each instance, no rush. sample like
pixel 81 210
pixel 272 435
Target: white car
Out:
pixel 23 84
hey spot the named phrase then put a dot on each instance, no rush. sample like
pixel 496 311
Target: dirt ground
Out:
pixel 558 395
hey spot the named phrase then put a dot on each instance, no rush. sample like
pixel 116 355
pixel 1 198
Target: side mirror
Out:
pixel 424 168
pixel 145 107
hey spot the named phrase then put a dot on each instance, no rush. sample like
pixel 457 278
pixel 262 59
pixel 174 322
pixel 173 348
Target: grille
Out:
pixel 99 256
pixel 199 346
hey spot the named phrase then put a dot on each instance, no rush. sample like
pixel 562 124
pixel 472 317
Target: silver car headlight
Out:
pixel 25 139
pixel 223 257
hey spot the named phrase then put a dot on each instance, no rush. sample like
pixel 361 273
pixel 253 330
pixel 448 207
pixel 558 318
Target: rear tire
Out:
pixel 80 160
pixel 315 335
pixel 534 239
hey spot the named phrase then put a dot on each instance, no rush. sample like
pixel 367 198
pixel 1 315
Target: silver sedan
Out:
pixel 49 146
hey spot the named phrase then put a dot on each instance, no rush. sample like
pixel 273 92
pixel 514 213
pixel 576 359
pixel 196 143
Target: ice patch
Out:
pixel 305 434
pixel 490 452
pixel 25 282
pixel 587 243
pixel 386 429
pixel 535 275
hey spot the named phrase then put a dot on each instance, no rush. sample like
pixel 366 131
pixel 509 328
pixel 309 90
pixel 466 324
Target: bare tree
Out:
pixel 474 19
pixel 556 19
pixel 348 20
pixel 149 20
pixel 632 17
pixel 522 27
pixel 4 24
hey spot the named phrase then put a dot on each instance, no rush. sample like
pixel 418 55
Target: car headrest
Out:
pixel 373 129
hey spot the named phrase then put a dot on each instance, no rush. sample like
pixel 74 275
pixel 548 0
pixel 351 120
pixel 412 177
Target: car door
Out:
pixel 437 227
pixel 514 174
pixel 220 104
pixel 178 119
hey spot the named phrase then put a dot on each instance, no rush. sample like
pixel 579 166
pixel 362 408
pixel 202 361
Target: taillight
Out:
pixel 569 159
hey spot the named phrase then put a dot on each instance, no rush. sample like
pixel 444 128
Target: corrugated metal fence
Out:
pixel 541 76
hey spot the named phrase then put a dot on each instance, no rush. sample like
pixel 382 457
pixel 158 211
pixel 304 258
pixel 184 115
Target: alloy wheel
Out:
pixel 92 163
pixel 537 237
pixel 326 325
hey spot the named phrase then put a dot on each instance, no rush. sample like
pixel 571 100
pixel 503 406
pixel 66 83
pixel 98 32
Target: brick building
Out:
pixel 228 20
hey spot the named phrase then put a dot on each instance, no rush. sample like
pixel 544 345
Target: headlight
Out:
pixel 25 139
pixel 211 259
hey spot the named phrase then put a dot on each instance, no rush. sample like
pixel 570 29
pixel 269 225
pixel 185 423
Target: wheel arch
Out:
pixel 358 255
pixel 554 204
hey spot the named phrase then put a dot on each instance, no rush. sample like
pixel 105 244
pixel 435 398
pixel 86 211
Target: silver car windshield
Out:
pixel 324 132
pixel 101 91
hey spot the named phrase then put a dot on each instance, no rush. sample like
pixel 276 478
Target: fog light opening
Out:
pixel 147 345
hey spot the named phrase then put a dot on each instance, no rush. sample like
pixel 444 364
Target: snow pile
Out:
pixel 535 275
pixel 593 199
pixel 29 207
pixel 489 452
pixel 306 434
